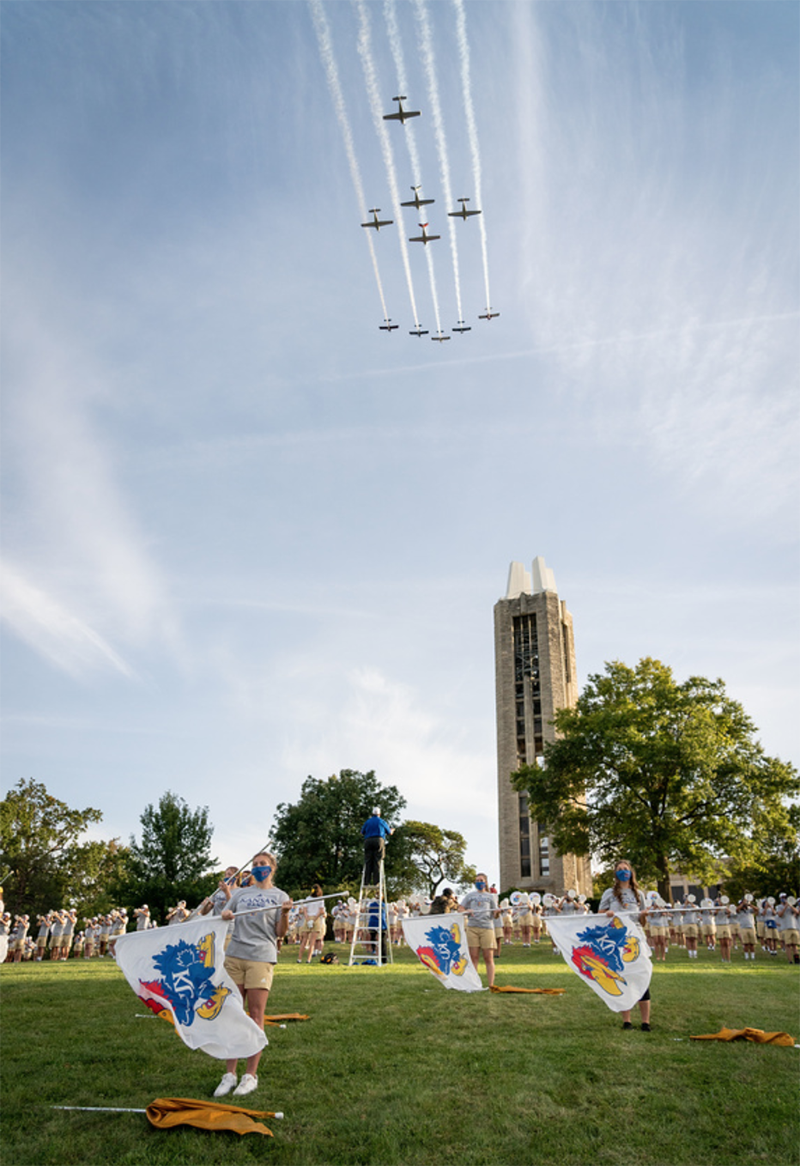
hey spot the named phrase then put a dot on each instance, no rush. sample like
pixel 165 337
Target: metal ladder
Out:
pixel 365 950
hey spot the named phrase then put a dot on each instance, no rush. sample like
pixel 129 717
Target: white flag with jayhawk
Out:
pixel 440 942
pixel 610 955
pixel 177 973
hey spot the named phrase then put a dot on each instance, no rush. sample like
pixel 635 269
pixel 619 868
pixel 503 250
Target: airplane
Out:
pixel 417 201
pixel 377 223
pixel 424 237
pixel 418 331
pixel 490 315
pixel 440 338
pixel 463 213
pixel 388 326
pixel 462 327
pixel 401 114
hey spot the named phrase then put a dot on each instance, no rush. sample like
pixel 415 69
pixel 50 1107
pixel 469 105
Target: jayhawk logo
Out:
pixel 187 969
pixel 443 956
pixel 603 953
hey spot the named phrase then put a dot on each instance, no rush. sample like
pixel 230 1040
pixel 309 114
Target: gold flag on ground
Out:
pixel 166 1112
pixel 753 1034
pixel 276 1018
pixel 530 991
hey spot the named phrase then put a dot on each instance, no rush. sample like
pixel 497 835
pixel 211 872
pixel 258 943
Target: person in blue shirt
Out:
pixel 375 831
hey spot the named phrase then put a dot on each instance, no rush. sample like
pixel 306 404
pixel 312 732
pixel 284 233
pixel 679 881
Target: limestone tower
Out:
pixel 535 675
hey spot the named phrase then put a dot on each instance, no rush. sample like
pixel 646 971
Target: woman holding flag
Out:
pixel 626 896
pixel 261 917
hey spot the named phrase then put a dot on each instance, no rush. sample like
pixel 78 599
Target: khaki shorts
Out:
pixel 690 930
pixel 707 929
pixel 747 934
pixel 659 932
pixel 790 936
pixel 481 937
pixel 319 926
pixel 249 973
pixel 723 931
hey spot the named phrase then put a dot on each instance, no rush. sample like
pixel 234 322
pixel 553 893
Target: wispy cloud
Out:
pixel 673 317
pixel 55 633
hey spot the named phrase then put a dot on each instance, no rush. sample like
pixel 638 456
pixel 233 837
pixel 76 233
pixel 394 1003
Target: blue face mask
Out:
pixel 480 886
pixel 623 875
pixel 260 873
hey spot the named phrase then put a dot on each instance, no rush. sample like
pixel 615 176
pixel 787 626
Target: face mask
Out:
pixel 479 886
pixel 623 875
pixel 260 873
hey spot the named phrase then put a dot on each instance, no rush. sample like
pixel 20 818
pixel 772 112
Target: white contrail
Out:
pixel 472 130
pixel 322 29
pixel 396 46
pixel 371 79
pixel 429 62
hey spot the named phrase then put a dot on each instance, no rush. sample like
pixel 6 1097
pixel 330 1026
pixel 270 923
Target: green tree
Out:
pixel 39 847
pixel 97 876
pixel 318 838
pixel 669 775
pixel 173 860
pixel 434 856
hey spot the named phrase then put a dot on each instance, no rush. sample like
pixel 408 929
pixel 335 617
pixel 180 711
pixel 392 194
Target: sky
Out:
pixel 248 536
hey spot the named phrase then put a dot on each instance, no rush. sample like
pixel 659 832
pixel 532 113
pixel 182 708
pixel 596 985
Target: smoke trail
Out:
pixel 429 62
pixel 322 29
pixel 472 130
pixel 371 79
pixel 396 46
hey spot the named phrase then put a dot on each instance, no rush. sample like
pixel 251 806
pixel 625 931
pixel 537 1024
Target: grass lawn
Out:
pixel 393 1070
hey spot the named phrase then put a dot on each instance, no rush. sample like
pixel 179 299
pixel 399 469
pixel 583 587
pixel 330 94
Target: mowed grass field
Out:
pixel 393 1070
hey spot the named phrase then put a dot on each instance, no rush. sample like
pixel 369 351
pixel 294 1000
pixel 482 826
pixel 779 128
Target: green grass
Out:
pixel 392 1070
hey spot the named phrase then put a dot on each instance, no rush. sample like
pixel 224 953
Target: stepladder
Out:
pixel 371 941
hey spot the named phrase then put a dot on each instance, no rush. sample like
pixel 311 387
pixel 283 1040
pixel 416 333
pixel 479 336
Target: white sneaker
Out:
pixel 247 1084
pixel 226 1084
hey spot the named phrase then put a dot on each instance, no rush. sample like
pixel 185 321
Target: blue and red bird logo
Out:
pixel 603 954
pixel 186 985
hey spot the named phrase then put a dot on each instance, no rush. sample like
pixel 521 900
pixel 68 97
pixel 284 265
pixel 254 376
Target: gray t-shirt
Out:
pixel 610 902
pixel 483 904
pixel 255 936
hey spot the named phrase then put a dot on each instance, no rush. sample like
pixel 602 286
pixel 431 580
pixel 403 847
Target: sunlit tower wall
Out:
pixel 535 676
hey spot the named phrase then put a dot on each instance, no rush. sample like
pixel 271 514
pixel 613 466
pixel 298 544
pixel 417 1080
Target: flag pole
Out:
pixel 298 903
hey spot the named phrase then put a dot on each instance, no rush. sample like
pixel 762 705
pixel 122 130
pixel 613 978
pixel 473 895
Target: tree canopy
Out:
pixel 434 856
pixel 667 775
pixel 173 860
pixel 318 838
pixel 48 864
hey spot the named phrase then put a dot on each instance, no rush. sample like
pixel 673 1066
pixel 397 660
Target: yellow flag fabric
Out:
pixel 530 991
pixel 279 1017
pixel 166 1112
pixel 752 1034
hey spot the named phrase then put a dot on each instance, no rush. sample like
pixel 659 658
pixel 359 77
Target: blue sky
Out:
pixel 248 536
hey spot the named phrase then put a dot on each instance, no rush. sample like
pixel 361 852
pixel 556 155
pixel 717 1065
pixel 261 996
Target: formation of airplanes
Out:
pixel 402 115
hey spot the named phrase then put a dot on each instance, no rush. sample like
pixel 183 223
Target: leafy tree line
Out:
pixel 669 775
pixel 317 839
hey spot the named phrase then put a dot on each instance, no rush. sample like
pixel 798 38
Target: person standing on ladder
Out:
pixel 375 831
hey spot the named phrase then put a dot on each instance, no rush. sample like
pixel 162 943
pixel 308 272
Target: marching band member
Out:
pixel 625 895
pixel 745 918
pixel 659 929
pixel 708 923
pixel 787 915
pixel 691 922
pixel 482 908
pixel 312 923
pixel 536 915
pixel 252 955
pixel 769 925
pixel 723 928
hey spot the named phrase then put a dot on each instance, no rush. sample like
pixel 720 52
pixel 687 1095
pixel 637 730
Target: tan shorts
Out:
pixel 659 932
pixel 249 973
pixel 319 926
pixel 481 937
pixel 707 929
pixel 690 930
pixel 723 931
pixel 790 936
pixel 747 934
